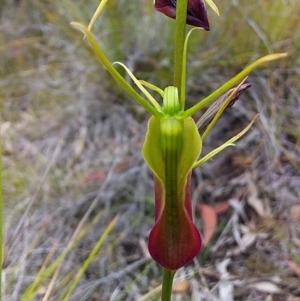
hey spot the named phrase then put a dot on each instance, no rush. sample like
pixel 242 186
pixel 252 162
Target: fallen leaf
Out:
pixel 79 144
pixel 98 175
pixel 209 218
pixel 222 268
pixel 221 207
pixel 293 298
pixel 294 236
pixel 238 207
pixel 181 287
pixel 247 240
pixel 294 267
pixel 210 273
pixel 295 212
pixel 144 248
pixel 122 165
pixel 265 287
pixel 243 243
pixel 226 287
pixel 253 199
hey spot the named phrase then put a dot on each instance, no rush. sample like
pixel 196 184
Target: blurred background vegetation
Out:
pixel 72 142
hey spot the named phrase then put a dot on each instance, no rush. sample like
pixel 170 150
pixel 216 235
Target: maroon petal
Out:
pixel 166 7
pixel 196 12
pixel 174 240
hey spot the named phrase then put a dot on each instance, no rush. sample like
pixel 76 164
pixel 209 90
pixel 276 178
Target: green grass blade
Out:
pixel 90 258
pixel 44 274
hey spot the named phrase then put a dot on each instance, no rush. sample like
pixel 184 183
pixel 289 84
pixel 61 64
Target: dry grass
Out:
pixel 72 141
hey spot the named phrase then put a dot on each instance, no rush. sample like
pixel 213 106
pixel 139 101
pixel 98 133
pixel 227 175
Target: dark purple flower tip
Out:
pixel 196 12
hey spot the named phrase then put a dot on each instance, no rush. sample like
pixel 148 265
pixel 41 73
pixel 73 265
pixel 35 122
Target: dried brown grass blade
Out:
pixel 205 119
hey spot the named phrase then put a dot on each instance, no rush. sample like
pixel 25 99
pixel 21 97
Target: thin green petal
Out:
pixel 213 6
pixel 140 86
pixel 113 72
pixel 96 14
pixel 230 142
pixel 152 87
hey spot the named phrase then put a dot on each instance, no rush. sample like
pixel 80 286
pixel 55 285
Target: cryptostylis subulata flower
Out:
pixel 171 148
pixel 173 144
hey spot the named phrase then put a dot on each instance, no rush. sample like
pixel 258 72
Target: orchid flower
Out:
pixel 172 148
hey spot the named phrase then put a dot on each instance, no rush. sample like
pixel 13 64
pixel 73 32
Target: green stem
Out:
pixel 167 285
pixel 180 24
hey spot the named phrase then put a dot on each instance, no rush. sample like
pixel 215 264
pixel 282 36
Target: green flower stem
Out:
pixel 167 283
pixel 183 75
pixel 180 24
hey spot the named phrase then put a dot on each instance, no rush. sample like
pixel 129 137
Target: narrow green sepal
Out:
pixel 113 72
pixel 232 82
pixel 230 142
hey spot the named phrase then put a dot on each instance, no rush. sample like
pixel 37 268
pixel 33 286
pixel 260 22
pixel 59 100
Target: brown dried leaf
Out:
pixel 209 218
pixel 181 287
pixel 213 109
pixel 122 165
pixel 95 177
pixel 253 199
pixel 294 267
pixel 221 207
pixel 265 287
pixel 80 143
pixel 295 212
